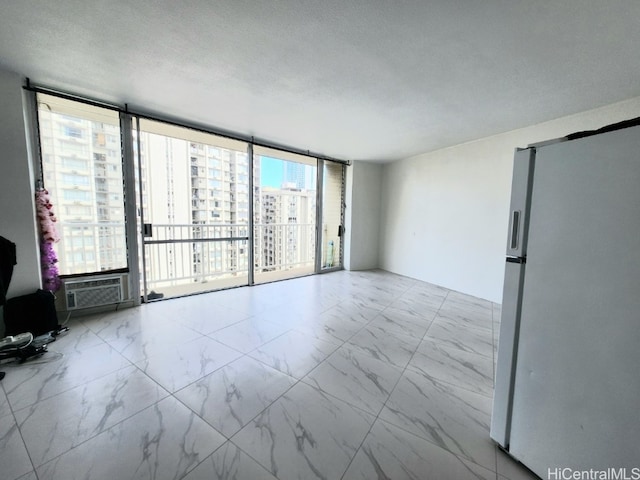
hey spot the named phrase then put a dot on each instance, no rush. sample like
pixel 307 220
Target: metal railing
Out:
pixel 186 254
pixel 282 246
pixel 196 232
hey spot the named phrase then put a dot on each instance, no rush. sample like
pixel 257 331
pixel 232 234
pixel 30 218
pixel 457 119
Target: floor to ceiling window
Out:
pixel 82 170
pixel 208 215
pixel 285 215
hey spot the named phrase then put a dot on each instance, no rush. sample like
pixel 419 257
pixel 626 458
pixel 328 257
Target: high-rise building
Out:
pixel 287 237
pixel 297 175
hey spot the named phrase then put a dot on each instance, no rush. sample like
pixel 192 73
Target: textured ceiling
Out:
pixel 366 80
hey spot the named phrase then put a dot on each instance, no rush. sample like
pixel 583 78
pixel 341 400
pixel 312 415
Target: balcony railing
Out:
pixel 207 257
pixel 199 232
pixel 288 246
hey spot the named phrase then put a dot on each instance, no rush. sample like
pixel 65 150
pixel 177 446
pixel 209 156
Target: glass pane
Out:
pixel 195 196
pixel 332 188
pixel 82 170
pixel 285 218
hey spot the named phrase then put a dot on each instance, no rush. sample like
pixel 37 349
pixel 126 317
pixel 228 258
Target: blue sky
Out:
pixel 271 172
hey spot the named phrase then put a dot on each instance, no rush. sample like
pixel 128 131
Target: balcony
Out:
pixel 187 259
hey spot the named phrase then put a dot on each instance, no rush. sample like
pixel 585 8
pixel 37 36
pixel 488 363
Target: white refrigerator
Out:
pixel 567 391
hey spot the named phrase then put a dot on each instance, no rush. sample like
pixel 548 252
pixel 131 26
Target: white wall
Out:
pixel 445 213
pixel 17 217
pixel 362 216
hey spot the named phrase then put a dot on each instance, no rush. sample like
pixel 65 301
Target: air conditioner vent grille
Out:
pixel 94 292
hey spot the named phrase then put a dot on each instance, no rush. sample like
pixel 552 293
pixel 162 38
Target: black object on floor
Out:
pixel 23 354
pixel 7 261
pixel 35 313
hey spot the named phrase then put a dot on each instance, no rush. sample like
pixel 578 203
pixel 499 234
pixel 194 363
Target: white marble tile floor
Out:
pixel 346 375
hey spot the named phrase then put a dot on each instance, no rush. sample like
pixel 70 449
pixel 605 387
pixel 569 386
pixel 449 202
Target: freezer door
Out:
pixel 507 351
pixel 520 197
pixel 575 402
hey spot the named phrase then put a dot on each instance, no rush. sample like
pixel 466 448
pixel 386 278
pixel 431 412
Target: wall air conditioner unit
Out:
pixel 93 292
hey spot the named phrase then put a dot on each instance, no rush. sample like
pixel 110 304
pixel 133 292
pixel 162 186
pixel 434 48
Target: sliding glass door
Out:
pixel 193 193
pixel 285 215
pixel 196 207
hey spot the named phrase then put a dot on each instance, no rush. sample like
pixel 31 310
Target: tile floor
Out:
pixel 348 375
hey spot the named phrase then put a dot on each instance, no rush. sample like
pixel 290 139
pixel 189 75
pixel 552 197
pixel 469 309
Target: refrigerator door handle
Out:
pixel 520 200
pixel 515 229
